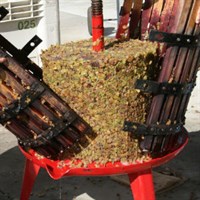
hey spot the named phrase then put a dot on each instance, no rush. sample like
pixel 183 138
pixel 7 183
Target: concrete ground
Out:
pixel 187 164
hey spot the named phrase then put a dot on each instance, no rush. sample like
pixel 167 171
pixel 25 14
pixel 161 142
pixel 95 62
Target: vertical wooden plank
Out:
pixel 154 22
pixel 146 15
pixel 166 20
pixel 191 78
pixel 135 18
pixel 124 19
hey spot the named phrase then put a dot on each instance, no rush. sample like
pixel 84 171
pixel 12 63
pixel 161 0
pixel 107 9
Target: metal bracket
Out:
pixel 51 132
pixel 3 12
pixel 13 109
pixel 153 129
pixel 174 39
pixel 21 55
pixel 154 87
pixel 31 45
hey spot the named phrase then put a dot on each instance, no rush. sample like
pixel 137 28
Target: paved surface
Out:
pixel 73 19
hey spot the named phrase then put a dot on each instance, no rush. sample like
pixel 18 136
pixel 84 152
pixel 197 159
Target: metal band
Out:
pixel 174 39
pixel 31 45
pixel 51 132
pixel 29 96
pixel 3 12
pixel 153 129
pixel 154 87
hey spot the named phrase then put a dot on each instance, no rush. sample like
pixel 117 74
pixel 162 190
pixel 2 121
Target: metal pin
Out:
pixel 188 40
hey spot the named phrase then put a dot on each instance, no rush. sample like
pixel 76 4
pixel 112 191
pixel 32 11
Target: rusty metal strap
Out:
pixel 154 87
pixel 12 110
pixel 175 39
pixel 51 132
pixel 142 129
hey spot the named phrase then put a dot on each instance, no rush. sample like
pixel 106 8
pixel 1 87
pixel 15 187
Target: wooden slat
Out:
pixel 2 101
pixel 17 69
pixel 34 115
pixel 146 14
pixel 166 15
pixel 11 80
pixel 8 93
pixel 124 19
pixel 154 22
pixel 45 111
pixel 135 18
pixel 16 127
pixel 191 77
pixel 127 5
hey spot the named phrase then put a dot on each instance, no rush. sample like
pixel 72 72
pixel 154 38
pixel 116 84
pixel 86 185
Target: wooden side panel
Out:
pixel 44 113
pixel 176 16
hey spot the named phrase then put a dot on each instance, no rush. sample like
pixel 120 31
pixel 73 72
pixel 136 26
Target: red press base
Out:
pixel 140 174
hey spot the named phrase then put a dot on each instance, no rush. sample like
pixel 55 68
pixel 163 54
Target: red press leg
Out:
pixel 142 185
pixel 30 173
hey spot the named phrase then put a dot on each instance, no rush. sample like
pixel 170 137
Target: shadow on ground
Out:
pixel 109 30
pixel 98 188
pixel 186 164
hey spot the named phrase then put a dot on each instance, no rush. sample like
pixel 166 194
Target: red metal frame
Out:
pixel 141 184
pixel 140 174
pixel 97 33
